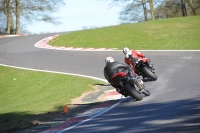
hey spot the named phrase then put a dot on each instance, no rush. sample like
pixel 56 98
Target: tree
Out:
pixel 133 12
pixel 29 10
pixel 17 3
pixel 169 9
pixel 144 4
pixel 194 6
pixel 2 19
pixel 183 7
pixel 178 8
pixel 7 12
pixel 136 10
pixel 151 3
pixel 140 10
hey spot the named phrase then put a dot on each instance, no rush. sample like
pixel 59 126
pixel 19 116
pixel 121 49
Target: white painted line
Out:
pixel 78 49
pixel 89 49
pixel 56 72
pixel 92 112
pixel 113 97
pixel 4 36
pixel 100 113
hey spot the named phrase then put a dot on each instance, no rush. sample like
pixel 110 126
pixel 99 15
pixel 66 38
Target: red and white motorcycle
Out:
pixel 144 67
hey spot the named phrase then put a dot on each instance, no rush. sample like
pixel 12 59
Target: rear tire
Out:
pixel 149 73
pixel 133 92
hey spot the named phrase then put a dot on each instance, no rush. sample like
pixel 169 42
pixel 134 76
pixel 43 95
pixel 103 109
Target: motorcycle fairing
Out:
pixel 118 77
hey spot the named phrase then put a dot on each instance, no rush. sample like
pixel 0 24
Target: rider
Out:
pixel 131 56
pixel 111 68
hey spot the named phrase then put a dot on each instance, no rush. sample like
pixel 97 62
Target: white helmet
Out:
pixel 108 60
pixel 126 50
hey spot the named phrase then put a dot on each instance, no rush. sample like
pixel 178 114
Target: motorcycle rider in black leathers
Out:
pixel 112 67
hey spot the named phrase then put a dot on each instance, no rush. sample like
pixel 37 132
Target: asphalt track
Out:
pixel 174 104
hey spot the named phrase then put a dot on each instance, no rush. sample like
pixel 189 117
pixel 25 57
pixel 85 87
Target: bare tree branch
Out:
pixel 29 10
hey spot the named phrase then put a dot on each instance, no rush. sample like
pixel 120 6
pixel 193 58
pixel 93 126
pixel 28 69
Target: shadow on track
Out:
pixel 181 116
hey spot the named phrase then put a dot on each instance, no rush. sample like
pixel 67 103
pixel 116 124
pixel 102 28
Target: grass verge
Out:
pixel 166 34
pixel 26 95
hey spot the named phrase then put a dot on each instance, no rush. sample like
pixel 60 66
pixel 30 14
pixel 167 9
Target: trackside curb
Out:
pixel 44 44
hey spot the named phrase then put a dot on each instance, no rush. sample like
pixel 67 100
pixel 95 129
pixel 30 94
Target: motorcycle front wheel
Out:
pixel 132 91
pixel 149 73
pixel 146 92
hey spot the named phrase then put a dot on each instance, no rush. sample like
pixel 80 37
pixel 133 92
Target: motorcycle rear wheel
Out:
pixel 149 73
pixel 132 91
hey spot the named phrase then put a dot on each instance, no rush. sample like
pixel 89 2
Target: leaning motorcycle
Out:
pixel 144 68
pixel 131 86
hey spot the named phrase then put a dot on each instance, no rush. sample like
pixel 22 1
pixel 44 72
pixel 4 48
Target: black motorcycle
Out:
pixel 132 86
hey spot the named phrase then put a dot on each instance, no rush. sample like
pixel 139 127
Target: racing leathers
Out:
pixel 131 58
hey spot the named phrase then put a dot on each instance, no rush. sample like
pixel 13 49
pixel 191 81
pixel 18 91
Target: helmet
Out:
pixel 126 50
pixel 108 60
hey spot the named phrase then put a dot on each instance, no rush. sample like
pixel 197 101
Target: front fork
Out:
pixel 136 82
pixel 151 66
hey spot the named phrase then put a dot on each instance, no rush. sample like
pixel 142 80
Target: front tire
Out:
pixel 149 73
pixel 133 92
pixel 146 92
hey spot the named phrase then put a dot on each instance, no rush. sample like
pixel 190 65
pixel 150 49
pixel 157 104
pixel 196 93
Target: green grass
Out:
pixel 167 34
pixel 25 94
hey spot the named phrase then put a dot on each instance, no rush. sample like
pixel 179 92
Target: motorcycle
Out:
pixel 143 68
pixel 131 86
